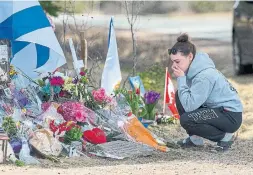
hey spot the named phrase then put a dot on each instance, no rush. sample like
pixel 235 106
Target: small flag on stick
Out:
pixel 169 95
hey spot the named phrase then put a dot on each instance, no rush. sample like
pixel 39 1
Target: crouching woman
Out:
pixel 209 106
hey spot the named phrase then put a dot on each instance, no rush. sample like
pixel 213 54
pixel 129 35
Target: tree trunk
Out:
pixel 134 51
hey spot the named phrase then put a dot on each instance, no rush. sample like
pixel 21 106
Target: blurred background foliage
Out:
pixel 150 7
pixel 153 78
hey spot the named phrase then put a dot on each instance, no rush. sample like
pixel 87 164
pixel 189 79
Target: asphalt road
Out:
pixel 213 26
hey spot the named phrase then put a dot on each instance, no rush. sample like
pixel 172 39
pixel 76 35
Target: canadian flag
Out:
pixel 169 95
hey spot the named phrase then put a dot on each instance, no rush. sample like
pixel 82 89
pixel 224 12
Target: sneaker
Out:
pixel 186 143
pixel 224 146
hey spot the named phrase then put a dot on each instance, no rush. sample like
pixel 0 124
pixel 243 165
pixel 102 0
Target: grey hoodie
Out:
pixel 205 86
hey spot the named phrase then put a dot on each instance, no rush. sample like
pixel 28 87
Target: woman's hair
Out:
pixel 183 45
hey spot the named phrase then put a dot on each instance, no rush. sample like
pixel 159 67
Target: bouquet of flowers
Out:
pixel 51 86
pixel 133 99
pixel 150 99
pixel 77 87
pixel 102 99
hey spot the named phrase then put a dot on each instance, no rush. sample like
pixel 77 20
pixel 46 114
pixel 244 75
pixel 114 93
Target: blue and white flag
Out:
pixel 35 47
pixel 111 76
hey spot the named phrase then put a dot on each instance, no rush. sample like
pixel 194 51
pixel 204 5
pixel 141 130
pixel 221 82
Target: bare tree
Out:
pixel 64 24
pixel 73 28
pixel 133 9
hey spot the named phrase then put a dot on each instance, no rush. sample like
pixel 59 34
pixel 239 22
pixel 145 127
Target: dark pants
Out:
pixel 208 123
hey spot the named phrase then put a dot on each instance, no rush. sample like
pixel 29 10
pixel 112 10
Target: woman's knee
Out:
pixel 184 120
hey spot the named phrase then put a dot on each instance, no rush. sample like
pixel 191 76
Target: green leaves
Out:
pixel 134 100
pixel 19 163
pixel 41 83
pixel 50 7
pixel 9 127
pixel 150 110
pixel 153 78
pixel 74 134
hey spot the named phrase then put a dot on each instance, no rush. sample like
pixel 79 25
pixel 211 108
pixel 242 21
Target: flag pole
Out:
pixel 165 90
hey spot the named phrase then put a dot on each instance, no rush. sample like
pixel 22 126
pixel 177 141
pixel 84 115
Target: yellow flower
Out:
pixel 18 124
pixel 23 110
pixel 12 71
pixel 117 85
pixel 68 85
pixel 68 80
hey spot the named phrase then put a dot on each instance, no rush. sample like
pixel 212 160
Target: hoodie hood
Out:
pixel 200 62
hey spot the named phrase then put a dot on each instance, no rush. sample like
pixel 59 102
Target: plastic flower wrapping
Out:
pixel 26 96
pixel 19 96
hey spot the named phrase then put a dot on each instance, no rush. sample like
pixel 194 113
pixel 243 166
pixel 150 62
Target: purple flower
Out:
pixel 75 81
pixel 151 97
pixel 21 98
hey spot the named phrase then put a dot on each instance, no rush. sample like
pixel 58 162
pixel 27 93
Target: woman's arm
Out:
pixel 193 97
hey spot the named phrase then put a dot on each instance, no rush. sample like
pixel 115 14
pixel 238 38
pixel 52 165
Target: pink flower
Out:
pixel 56 81
pixel 108 99
pixel 99 95
pixel 75 111
pixel 111 101
pixel 45 106
pixel 80 116
pixel 82 73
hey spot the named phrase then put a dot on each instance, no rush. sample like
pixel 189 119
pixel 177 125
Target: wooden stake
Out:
pixel 164 95
pixel 84 51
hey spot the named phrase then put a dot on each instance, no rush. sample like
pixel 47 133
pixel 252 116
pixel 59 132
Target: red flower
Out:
pixel 63 128
pixel 82 73
pixel 52 126
pixel 56 81
pixel 61 139
pixel 62 93
pixel 60 110
pixel 69 128
pixel 138 91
